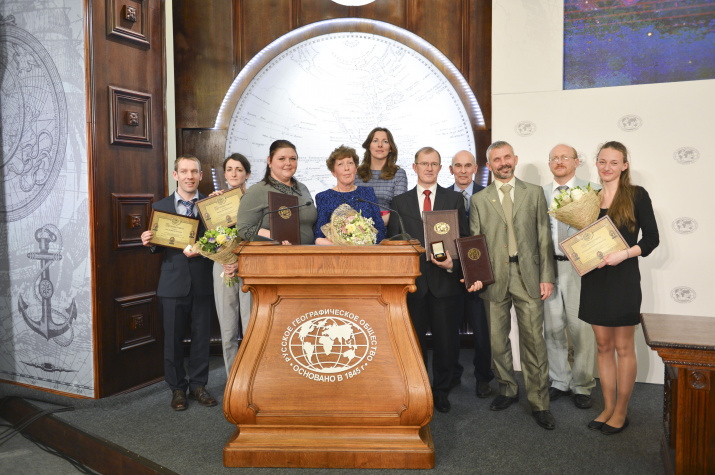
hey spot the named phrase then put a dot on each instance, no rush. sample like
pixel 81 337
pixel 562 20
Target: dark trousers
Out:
pixel 438 315
pixel 471 308
pixel 176 313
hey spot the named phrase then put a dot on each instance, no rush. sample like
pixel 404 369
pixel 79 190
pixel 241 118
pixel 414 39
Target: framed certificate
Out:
pixel 587 248
pixel 173 230
pixel 220 210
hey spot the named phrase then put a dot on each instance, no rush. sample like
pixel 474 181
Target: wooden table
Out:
pixel 687 347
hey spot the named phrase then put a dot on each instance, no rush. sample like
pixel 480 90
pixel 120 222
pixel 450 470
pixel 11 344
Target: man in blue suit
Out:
pixel 561 308
pixel 432 306
pixel 185 294
pixel 471 307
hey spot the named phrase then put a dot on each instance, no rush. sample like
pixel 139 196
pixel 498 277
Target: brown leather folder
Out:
pixel 285 225
pixel 442 225
pixel 474 258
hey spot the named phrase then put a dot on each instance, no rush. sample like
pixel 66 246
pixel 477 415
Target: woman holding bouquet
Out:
pixel 379 169
pixel 282 164
pixel 611 294
pixel 231 300
pixel 342 163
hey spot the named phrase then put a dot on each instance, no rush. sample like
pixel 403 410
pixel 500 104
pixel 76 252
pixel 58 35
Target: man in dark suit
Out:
pixel 432 306
pixel 471 307
pixel 185 293
pixel 512 215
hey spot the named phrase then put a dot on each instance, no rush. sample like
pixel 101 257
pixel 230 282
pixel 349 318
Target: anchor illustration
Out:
pixel 46 325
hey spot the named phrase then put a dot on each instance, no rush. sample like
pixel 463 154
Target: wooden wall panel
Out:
pixel 203 54
pixel 440 22
pixel 258 22
pixel 310 11
pixel 389 11
pixel 122 169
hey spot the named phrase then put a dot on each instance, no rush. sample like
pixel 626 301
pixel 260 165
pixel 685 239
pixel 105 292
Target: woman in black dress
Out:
pixel 611 294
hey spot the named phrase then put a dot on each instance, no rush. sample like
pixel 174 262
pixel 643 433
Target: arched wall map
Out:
pixel 331 82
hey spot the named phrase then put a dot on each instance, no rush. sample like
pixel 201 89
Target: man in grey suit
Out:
pixel 513 217
pixel 561 309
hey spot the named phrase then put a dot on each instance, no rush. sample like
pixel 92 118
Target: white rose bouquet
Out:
pixel 576 207
pixel 349 227
pixel 218 245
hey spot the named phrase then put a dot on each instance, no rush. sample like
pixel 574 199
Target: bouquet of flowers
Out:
pixel 218 245
pixel 576 207
pixel 349 227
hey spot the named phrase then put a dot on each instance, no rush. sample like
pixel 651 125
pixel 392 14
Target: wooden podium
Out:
pixel 330 373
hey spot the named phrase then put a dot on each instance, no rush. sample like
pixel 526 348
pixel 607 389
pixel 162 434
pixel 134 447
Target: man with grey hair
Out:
pixel 561 308
pixel 471 307
pixel 513 217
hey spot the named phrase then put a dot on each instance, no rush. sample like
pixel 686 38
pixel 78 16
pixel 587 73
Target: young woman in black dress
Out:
pixel 611 294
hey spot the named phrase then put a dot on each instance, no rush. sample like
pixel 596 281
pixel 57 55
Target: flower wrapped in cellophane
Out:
pixel 218 245
pixel 349 227
pixel 576 207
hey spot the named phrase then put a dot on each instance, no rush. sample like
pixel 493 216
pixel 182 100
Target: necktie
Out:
pixel 466 201
pixel 508 207
pixel 189 205
pixel 428 202
pixel 562 228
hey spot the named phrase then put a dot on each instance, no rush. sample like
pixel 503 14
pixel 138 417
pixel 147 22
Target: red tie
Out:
pixel 428 202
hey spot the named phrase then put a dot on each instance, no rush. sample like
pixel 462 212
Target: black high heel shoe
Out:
pixel 608 430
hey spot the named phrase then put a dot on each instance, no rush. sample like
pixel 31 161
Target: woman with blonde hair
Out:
pixel 611 294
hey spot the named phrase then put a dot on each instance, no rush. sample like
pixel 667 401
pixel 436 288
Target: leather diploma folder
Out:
pixel 474 258
pixel 285 225
pixel 442 226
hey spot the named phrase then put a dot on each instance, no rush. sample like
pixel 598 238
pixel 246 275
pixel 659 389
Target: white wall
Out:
pixel 663 125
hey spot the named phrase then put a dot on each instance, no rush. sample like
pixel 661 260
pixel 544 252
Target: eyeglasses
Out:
pixel 564 159
pixel 428 164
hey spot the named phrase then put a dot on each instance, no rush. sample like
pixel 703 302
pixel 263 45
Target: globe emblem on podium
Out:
pixel 328 344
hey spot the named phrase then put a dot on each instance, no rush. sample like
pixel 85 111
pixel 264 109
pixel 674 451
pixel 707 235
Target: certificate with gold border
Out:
pixel 220 210
pixel 587 248
pixel 173 230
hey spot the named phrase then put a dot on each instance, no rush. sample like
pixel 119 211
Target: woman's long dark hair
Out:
pixel 278 144
pixel 364 171
pixel 621 209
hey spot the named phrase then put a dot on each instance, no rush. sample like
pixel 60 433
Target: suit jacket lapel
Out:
pixel 519 195
pixel 439 199
pixel 493 197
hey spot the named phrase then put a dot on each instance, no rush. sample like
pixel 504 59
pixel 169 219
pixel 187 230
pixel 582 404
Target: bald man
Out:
pixel 471 306
pixel 561 308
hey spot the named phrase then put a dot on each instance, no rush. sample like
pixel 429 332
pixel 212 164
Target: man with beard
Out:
pixel 513 217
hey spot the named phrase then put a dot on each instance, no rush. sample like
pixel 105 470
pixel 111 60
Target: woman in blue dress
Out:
pixel 379 169
pixel 343 165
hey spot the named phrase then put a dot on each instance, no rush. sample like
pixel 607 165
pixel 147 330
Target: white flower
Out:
pixel 566 200
pixel 577 194
pixel 553 205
